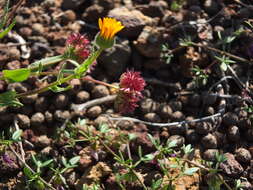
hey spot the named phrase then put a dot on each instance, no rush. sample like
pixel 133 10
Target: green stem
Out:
pixel 83 69
pixel 46 62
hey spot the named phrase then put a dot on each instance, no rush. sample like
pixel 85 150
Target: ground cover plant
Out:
pixel 147 94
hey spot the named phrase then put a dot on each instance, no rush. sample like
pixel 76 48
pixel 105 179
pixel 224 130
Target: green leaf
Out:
pixel 148 157
pixel 7 30
pixel 172 144
pixel 28 172
pixel 156 184
pixel 132 136
pixel 190 171
pixel 57 89
pixel 9 99
pixel 64 161
pixel 17 75
pixel 103 128
pixel 36 66
pixel 74 160
pixel 17 135
pixel 47 163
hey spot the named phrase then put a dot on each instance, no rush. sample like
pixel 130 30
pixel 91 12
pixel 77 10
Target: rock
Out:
pixel 115 59
pixel 211 6
pixel 68 16
pixel 100 91
pixel 94 111
pixel 133 20
pixel 61 115
pixel 100 120
pixel 125 125
pixel 93 13
pixel 175 105
pixel 25 31
pixel 179 140
pixel 177 116
pixel 61 101
pixel 29 99
pixel 13 54
pixel 154 8
pixel 23 121
pixel 41 104
pixel 43 141
pixel 38 29
pixel 150 41
pixel 165 111
pixel 18 87
pixel 231 167
pixel 143 141
pixel 152 117
pixel 192 136
pixel 76 85
pixel 230 118
pixel 48 116
pixel 82 97
pixel 194 100
pixel 203 128
pixel 209 141
pixel 210 154
pixel 37 119
pixel 13 65
pixel 177 129
pixel 71 4
pixel 249 135
pixel 148 105
pixel 242 155
pixel 85 158
pixel 233 134
pixel 94 174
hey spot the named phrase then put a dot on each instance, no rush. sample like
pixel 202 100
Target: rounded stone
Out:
pixel 94 111
pixel 242 155
pixel 209 141
pixel 37 119
pixel 100 91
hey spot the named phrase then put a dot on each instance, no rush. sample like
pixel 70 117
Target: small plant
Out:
pixel 166 53
pixel 58 177
pixel 200 76
pixel 224 62
pixel 176 5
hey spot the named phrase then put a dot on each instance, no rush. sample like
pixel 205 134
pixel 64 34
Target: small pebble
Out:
pixel 242 155
pixel 37 119
pixel 209 141
pixel 100 91
pixel 94 111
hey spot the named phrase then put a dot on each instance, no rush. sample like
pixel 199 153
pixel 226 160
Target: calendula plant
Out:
pixel 82 55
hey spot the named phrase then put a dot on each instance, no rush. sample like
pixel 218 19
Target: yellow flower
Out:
pixel 109 27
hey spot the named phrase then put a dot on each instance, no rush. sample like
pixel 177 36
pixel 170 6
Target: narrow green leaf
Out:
pixel 45 62
pixel 9 99
pixel 74 160
pixel 6 30
pixel 17 75
pixel 190 171
pixel 17 135
pixel 156 184
pixel 46 163
pixel 28 172
pixel 57 89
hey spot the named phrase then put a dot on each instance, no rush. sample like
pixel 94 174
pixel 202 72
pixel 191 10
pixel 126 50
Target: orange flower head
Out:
pixel 109 27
